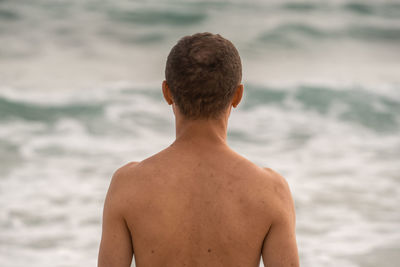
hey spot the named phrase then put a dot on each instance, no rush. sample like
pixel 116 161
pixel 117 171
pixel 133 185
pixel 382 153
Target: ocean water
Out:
pixel 80 96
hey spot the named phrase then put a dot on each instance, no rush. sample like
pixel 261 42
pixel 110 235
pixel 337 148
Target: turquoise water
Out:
pixel 80 95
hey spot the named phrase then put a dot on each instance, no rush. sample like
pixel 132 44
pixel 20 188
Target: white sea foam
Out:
pixel 338 170
pixel 84 98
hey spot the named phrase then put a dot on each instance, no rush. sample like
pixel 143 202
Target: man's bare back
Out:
pixel 198 203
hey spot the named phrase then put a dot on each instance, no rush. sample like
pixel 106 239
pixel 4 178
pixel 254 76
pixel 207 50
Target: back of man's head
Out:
pixel 203 72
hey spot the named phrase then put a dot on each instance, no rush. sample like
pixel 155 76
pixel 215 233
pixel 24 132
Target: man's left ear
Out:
pixel 167 93
pixel 237 97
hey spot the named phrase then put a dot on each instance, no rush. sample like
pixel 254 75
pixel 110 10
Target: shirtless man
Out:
pixel 197 202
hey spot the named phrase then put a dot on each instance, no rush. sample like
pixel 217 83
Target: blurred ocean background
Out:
pixel 80 95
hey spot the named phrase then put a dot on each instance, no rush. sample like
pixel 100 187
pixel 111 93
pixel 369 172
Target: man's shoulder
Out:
pixel 123 177
pixel 267 180
pixel 279 189
pixel 136 171
pixel 274 181
pixel 128 185
pixel 269 183
pixel 126 167
pixel 275 178
pixel 124 171
pixel 266 175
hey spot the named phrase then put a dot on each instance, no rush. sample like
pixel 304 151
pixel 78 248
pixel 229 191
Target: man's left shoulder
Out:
pixel 125 170
pixel 122 177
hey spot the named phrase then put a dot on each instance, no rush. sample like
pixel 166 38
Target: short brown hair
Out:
pixel 202 71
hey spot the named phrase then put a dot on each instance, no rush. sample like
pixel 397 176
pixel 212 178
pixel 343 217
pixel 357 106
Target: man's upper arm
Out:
pixel 116 245
pixel 280 247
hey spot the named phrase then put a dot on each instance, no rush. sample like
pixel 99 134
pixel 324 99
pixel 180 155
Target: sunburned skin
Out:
pixel 198 203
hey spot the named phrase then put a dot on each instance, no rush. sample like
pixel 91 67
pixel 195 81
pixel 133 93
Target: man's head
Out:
pixel 203 72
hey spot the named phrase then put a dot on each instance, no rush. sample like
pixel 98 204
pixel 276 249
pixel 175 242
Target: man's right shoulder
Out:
pixel 274 177
pixel 280 189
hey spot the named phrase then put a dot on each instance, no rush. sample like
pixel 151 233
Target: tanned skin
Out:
pixel 198 203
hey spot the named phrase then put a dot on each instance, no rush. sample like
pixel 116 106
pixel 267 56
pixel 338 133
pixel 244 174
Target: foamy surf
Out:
pixel 80 95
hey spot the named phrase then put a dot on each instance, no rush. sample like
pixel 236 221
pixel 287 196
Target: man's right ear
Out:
pixel 167 93
pixel 237 97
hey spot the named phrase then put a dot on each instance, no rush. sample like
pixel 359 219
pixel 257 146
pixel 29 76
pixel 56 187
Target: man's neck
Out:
pixel 201 132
